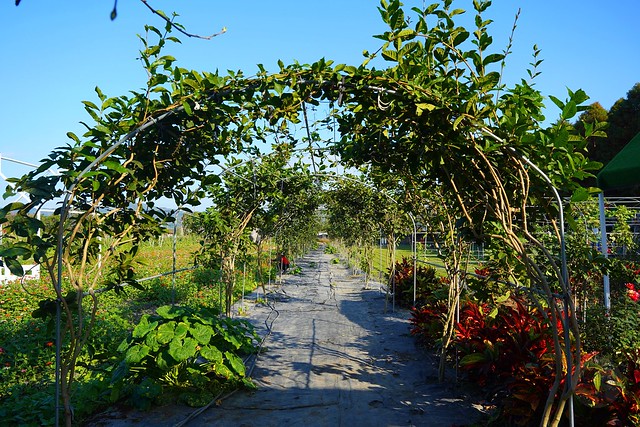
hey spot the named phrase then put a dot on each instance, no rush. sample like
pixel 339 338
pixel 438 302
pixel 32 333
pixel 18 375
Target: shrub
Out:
pixel 182 351
pixel 429 287
pixel 428 323
pixel 610 395
pixel 330 250
pixel 509 350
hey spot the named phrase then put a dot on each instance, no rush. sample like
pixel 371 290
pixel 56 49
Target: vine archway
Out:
pixel 426 120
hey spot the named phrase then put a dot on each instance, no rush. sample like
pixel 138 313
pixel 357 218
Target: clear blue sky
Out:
pixel 55 52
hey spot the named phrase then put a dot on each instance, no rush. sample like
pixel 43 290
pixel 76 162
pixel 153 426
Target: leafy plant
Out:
pixel 508 349
pixel 182 350
pixel 609 394
pixel 429 287
pixel 428 323
pixel 328 249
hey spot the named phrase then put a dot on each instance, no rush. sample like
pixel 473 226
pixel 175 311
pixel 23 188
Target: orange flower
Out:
pixel 49 344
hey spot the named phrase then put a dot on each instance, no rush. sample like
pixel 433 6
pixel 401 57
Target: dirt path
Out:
pixel 334 358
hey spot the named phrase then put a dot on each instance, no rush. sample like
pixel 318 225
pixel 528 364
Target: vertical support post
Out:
pixel 244 278
pixel 604 248
pixel 173 270
pixel 415 256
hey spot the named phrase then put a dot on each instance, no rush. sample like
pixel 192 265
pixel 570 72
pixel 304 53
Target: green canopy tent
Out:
pixel 623 171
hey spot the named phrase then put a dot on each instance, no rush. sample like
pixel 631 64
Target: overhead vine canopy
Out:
pixel 438 115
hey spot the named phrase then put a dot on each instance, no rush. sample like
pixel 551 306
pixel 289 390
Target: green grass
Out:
pixel 27 349
pixel 382 263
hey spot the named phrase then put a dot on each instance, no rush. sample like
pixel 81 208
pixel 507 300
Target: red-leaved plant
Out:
pixel 509 350
pixel 611 396
pixel 427 284
pixel 427 323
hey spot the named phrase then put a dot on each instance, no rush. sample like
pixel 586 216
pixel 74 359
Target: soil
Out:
pixel 337 354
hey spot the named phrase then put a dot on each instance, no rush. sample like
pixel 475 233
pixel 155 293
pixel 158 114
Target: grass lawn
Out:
pixel 382 263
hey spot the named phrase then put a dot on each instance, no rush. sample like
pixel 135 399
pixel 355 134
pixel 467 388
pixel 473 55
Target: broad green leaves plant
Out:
pixel 183 350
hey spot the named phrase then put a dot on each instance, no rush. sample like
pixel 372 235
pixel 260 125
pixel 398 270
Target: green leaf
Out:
pixel 114 165
pixel 124 345
pixel 212 354
pixel 136 353
pixel 16 250
pixel 569 110
pixel 503 298
pixel 556 101
pixel 473 359
pixel 279 88
pixel 163 360
pixel 170 312
pixel 235 362
pixel 390 55
pixel 181 330
pixel 202 333
pixel 90 105
pixel 187 107
pixel 572 222
pixel 421 107
pixel 580 195
pixel 494 57
pixel 407 33
pixel 350 70
pixel 222 370
pixel 152 341
pixel 144 327
pixel 597 381
pixel 460 37
pixel 182 350
pixel 166 332
pixel 73 136
pixel 14 266
pixel 119 373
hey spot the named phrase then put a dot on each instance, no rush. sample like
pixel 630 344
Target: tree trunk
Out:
pixel 228 279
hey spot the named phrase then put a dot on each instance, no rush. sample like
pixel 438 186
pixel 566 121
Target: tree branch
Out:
pixel 177 27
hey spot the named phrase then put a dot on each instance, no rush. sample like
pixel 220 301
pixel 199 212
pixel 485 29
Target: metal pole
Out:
pixel 244 278
pixel 415 255
pixel 173 269
pixel 604 248
pixel 380 256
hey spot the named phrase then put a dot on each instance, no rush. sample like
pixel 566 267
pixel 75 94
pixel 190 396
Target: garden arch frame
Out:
pixel 339 90
pixel 437 100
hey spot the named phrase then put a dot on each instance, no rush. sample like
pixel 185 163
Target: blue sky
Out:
pixel 55 52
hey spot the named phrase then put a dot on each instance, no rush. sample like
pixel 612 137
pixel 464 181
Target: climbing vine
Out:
pixel 437 116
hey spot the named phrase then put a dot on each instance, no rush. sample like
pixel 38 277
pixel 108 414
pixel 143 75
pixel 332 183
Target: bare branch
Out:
pixel 179 28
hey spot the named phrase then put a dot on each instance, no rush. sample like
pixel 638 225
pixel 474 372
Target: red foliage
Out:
pixel 427 323
pixel 426 283
pixel 510 351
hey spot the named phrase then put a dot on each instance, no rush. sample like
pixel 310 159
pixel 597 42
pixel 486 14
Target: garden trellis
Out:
pixel 424 121
pixel 623 171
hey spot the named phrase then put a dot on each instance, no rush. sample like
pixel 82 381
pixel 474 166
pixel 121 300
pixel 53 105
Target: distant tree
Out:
pixel 597 146
pixel 624 120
